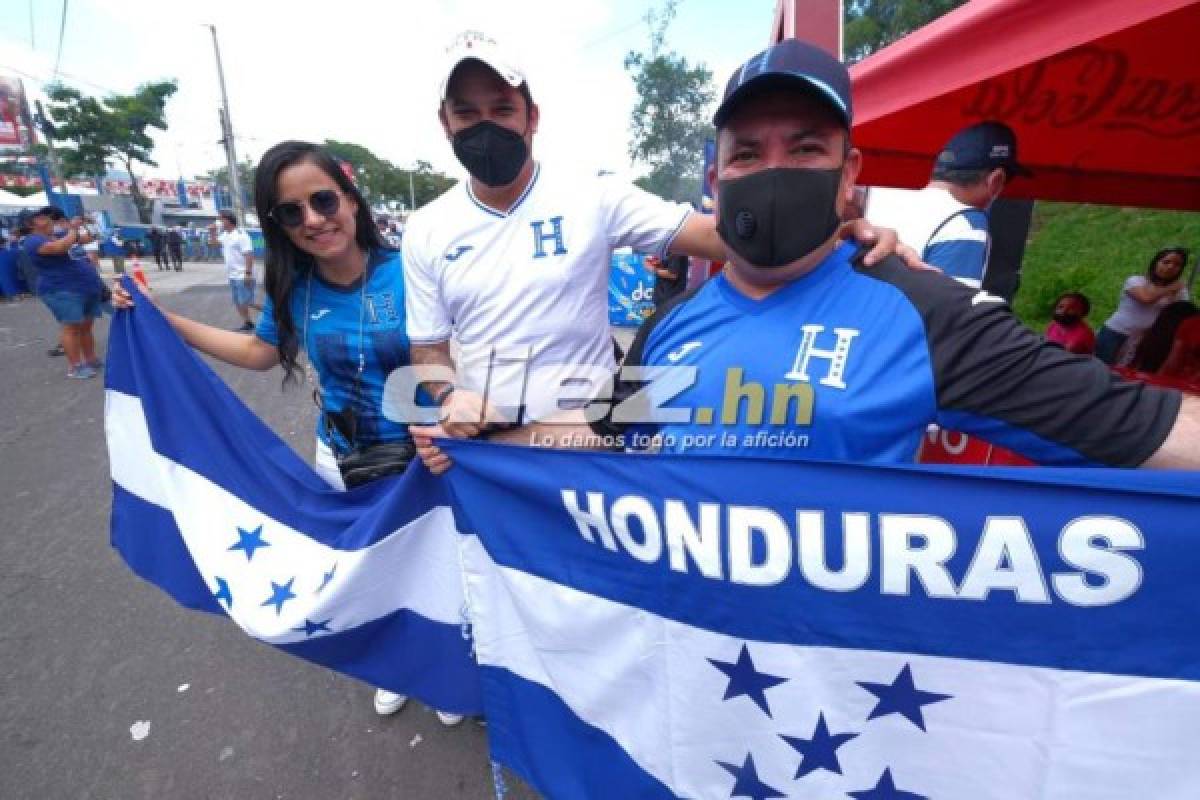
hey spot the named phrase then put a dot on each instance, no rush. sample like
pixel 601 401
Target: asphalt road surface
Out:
pixel 110 690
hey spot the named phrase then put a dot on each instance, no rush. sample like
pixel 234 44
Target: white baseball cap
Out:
pixel 480 47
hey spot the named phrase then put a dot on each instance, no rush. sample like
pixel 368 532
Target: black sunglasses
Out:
pixel 291 214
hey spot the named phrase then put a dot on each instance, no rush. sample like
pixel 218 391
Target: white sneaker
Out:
pixel 388 702
pixel 449 720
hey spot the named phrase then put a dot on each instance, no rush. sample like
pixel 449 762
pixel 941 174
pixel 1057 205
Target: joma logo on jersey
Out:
pixel 835 357
pixel 541 237
pixel 458 252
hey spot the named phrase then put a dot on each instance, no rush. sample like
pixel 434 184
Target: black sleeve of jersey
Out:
pixel 986 364
pixel 622 390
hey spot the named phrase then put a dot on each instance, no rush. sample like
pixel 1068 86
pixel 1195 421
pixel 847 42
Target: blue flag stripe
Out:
pixel 535 534
pixel 146 537
pixel 534 734
pixel 212 507
pixel 199 429
pixel 403 651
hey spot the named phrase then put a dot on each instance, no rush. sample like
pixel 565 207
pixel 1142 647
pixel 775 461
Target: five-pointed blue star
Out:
pixel 744 679
pixel 819 752
pixel 886 790
pixel 223 593
pixel 249 541
pixel 279 595
pixel 902 697
pixel 746 782
pixel 309 627
pixel 328 577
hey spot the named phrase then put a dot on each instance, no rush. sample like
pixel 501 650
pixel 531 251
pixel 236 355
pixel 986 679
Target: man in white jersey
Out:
pixel 947 221
pixel 514 262
pixel 238 252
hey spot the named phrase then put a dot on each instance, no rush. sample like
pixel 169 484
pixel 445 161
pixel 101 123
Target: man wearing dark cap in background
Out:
pixel 863 359
pixel 947 221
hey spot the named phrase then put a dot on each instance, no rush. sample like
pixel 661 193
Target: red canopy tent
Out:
pixel 1104 96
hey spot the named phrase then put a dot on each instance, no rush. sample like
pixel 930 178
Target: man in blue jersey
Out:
pixel 947 221
pixel 797 351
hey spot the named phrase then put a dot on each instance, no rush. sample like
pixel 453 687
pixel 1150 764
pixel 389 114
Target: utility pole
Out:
pixel 412 196
pixel 235 182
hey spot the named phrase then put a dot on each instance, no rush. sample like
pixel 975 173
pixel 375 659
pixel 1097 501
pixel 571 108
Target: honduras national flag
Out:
pixel 216 510
pixel 718 628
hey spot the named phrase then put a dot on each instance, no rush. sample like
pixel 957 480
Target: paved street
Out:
pixel 110 690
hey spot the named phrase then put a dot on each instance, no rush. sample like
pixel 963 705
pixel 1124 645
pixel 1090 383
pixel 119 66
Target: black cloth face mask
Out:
pixel 777 216
pixel 1067 319
pixel 492 153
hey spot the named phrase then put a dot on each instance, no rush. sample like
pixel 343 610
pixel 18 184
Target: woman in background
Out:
pixel 1142 298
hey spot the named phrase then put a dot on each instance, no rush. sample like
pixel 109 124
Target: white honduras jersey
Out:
pixel 526 293
pixel 946 233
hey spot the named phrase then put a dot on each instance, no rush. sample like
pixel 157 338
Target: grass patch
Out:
pixel 1093 249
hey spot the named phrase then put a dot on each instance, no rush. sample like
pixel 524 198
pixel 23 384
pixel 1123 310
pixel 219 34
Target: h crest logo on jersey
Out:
pixel 836 357
pixel 541 237
pixel 381 308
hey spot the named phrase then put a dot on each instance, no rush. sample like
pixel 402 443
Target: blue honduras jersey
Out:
pixel 329 332
pixel 849 363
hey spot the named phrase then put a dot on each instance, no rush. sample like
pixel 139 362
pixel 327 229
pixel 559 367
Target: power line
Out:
pixel 605 37
pixel 62 29
pixel 73 79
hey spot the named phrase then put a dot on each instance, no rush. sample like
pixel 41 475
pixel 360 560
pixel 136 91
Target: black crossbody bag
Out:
pixel 359 464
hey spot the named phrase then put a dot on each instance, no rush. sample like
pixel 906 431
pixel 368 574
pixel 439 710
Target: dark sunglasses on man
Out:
pixel 291 214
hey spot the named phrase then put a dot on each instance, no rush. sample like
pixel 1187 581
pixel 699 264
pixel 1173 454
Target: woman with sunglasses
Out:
pixel 333 287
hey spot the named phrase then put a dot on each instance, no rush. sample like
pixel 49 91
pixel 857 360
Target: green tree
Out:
pixel 427 183
pixel 669 122
pixel 376 177
pixel 383 182
pixel 246 172
pixel 871 25
pixel 115 128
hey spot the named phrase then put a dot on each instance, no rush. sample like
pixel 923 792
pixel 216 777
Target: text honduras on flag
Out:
pixel 622 655
pixel 212 507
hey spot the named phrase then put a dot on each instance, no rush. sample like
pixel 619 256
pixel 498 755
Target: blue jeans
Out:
pixel 71 308
pixel 1108 344
pixel 243 295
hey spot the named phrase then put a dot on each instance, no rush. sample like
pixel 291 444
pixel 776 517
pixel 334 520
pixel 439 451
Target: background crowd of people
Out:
pixel 1149 334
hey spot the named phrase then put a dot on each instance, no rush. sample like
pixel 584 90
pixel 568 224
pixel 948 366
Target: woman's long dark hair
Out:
pixel 1155 346
pixel 286 264
pixel 1152 270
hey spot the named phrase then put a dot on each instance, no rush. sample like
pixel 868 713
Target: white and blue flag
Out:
pixel 212 507
pixel 708 627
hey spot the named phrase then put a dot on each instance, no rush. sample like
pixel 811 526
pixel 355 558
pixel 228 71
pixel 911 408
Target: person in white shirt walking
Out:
pixel 238 252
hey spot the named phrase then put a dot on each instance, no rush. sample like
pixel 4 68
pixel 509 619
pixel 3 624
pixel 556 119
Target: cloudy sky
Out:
pixel 364 71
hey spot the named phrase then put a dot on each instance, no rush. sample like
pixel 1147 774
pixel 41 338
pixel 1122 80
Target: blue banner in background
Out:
pixel 630 291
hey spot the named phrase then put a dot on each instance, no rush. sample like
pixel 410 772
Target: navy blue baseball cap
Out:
pixel 984 145
pixel 790 61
